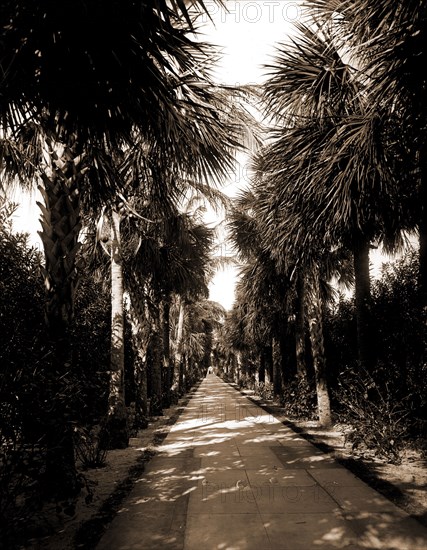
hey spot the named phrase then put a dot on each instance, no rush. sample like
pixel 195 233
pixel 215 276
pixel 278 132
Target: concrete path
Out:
pixel 231 477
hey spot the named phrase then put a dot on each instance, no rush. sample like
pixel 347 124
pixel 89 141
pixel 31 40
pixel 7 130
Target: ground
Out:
pixel 405 484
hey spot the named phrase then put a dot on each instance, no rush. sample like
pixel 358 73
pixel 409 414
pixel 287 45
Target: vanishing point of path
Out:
pixel 229 476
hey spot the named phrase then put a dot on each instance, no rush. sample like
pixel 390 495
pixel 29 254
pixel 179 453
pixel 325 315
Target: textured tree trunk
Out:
pixel 179 364
pixel 277 368
pixel 207 355
pixel 422 229
pixel 261 368
pixel 157 367
pixel 141 399
pixel 183 367
pixel 300 327
pixel 140 341
pixel 315 321
pixel 117 429
pixel 363 303
pixel 239 367
pixel 60 222
pixel 287 350
pixel 269 363
pixel 167 367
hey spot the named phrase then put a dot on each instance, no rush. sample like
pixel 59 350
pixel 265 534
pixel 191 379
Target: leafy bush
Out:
pixel 91 334
pixel 22 380
pixel 264 390
pixel 379 418
pixel 398 408
pixel 90 446
pixel 27 403
pixel 299 399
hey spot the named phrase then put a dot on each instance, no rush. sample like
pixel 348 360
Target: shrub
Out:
pixel 90 446
pixel 264 390
pixel 397 379
pixel 299 399
pixel 378 417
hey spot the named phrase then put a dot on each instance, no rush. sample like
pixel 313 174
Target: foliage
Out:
pixel 90 446
pixel 340 336
pixel 386 404
pixel 25 387
pixel 20 468
pixel 400 330
pixel 264 391
pixel 90 335
pixel 378 416
pixel 21 377
pixel 299 400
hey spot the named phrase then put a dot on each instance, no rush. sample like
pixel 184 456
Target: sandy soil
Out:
pixel 107 485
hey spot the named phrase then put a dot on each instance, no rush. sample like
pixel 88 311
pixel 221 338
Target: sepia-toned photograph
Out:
pixel 213 275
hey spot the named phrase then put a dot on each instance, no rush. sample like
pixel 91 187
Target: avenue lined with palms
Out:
pixel 111 110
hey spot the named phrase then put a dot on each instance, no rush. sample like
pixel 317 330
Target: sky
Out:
pixel 247 34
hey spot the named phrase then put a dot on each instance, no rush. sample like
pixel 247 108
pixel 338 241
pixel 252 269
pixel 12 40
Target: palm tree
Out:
pixel 265 288
pixel 116 429
pixel 338 180
pixel 182 269
pixel 389 38
pixel 126 67
pixel 192 330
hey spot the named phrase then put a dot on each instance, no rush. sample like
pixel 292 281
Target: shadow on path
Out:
pixel 230 476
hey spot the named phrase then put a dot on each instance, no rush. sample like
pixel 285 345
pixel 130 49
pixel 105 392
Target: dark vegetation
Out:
pixel 336 178
pixel 25 382
pixel 27 392
pixel 384 406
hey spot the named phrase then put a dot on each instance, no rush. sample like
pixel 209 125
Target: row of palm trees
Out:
pixel 342 171
pixel 111 109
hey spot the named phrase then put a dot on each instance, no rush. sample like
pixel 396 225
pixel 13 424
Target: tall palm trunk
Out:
pixel 167 367
pixel 60 220
pixel 288 351
pixel 118 437
pixel 261 368
pixel 207 355
pixel 363 300
pixel 269 363
pixel 141 399
pixel 422 229
pixel 300 326
pixel 179 364
pixel 277 367
pixel 156 345
pixel 315 321
pixel 238 367
pixel 183 373
pixel 140 342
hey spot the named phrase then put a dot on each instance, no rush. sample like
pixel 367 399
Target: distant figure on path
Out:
pixel 210 370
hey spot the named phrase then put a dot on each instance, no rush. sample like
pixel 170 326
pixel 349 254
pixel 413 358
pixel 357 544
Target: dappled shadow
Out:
pixel 231 476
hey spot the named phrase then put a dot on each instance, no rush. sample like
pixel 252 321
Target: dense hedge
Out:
pixel 388 403
pixel 25 401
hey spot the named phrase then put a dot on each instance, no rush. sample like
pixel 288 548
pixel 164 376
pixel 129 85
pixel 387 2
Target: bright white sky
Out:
pixel 247 34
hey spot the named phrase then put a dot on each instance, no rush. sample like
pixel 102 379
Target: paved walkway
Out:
pixel 231 477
